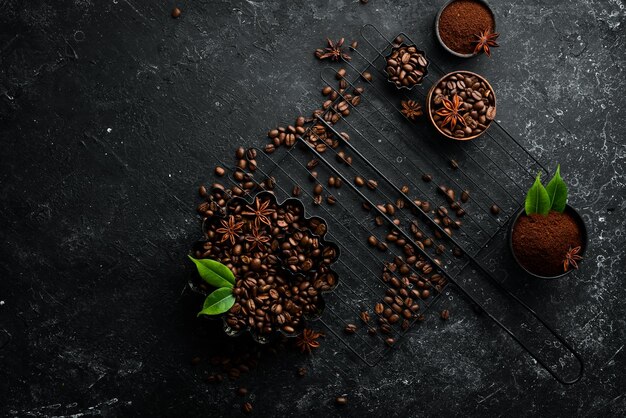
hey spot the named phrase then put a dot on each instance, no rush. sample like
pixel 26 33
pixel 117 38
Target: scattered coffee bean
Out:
pixel 465 196
pixel 445 314
pixel 219 171
pixel 350 329
pixel 247 407
pixel 372 184
pixel 176 12
pixel 366 76
pixel 301 372
pixel 331 200
pixel 427 177
pixel 495 209
pixel 359 181
pixel 242 391
pixel 296 191
pixel 454 164
pixel 341 400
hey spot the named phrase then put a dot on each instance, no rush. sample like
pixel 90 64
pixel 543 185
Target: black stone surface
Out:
pixel 111 115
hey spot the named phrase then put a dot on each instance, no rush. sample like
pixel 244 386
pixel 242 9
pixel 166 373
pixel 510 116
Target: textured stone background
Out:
pixel 111 115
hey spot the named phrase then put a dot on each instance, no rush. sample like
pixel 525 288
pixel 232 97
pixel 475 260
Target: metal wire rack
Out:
pixel 387 147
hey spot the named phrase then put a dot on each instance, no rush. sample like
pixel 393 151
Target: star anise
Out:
pixel 450 112
pixel 334 51
pixel 261 212
pixel 307 341
pixel 230 229
pixel 571 257
pixel 485 40
pixel 411 109
pixel 257 239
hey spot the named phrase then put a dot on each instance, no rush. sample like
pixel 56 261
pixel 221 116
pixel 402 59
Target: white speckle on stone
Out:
pixel 109 130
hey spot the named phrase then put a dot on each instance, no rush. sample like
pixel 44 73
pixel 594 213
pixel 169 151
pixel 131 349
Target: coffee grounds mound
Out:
pixel 461 21
pixel 541 242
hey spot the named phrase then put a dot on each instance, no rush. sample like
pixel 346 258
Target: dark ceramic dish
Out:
pixel 438 36
pixel 194 284
pixel 425 68
pixel 583 232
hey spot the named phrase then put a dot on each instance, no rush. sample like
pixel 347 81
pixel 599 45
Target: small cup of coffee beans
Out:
pixel 406 66
pixel 461 105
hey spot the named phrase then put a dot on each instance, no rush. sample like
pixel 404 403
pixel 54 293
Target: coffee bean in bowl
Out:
pixel 406 66
pixel 461 105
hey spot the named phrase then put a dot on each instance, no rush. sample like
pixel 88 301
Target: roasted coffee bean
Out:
pixel 454 164
pixel 425 293
pixel 445 314
pixel 317 189
pixel 390 341
pixel 372 184
pixel 359 181
pixel 296 191
pixel 405 66
pixel 379 308
pixel 495 209
pixel 465 196
pixel 341 400
pixel 327 90
pixel 269 148
pixel 240 153
pixel 176 12
pixel 331 200
pixel 242 391
pixel 219 171
pixel 404 189
pixel 247 407
pixel 427 177
pixel 350 329
pixel 372 240
pixel 301 372
pixel 366 76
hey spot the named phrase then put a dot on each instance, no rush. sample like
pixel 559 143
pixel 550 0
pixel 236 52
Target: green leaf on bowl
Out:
pixel 537 199
pixel 557 191
pixel 214 273
pixel 220 301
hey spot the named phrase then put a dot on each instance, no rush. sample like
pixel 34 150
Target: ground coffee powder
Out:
pixel 541 242
pixel 461 21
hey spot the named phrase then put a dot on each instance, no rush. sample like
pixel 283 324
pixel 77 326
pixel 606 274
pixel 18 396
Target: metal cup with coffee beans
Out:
pixel 461 105
pixel 406 66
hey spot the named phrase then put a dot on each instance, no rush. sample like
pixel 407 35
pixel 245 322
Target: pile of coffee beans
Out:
pixel 406 66
pixel 279 258
pixel 477 107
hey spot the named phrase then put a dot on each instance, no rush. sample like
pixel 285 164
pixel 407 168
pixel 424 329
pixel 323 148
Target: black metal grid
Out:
pixel 385 146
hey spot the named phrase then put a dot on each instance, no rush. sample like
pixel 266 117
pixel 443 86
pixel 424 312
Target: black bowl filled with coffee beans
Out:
pixel 461 105
pixel 406 66
pixel 280 260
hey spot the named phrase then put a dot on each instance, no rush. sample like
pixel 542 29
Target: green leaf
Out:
pixel 214 273
pixel 218 302
pixel 537 199
pixel 557 191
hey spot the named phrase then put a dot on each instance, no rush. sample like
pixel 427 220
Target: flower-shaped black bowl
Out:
pixel 408 88
pixel 313 227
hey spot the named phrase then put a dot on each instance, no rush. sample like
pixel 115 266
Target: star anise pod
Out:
pixel 411 109
pixel 260 212
pixel 230 229
pixel 450 112
pixel 257 239
pixel 307 341
pixel 334 51
pixel 485 40
pixel 571 258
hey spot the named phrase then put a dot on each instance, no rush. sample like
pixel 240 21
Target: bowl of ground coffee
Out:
pixel 548 246
pixel 459 24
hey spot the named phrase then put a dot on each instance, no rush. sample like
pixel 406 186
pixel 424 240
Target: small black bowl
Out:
pixel 583 232
pixel 438 36
pixel 408 88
